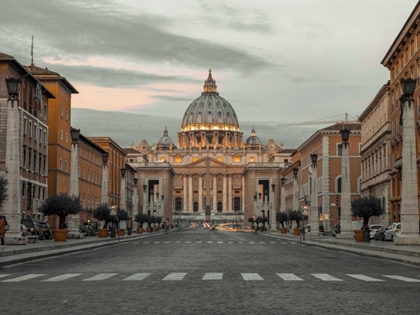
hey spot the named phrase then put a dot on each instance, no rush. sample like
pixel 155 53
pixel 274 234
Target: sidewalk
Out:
pixel 379 249
pixel 47 248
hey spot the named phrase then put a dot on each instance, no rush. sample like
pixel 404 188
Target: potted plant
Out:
pixel 140 219
pixel 61 206
pixel 122 215
pixel 282 217
pixel 294 215
pixel 365 207
pixel 103 213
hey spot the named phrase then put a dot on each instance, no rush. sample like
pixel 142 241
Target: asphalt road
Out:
pixel 201 271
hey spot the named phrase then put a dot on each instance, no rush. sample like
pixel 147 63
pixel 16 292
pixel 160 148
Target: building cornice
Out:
pixel 373 104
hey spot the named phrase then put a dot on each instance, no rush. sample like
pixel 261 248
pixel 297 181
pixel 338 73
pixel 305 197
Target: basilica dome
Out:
pixel 253 140
pixel 210 111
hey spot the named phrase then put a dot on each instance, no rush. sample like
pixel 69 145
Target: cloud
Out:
pixel 81 30
pixel 109 77
pixel 171 98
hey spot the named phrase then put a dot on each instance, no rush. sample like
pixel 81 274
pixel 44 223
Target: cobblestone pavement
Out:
pixel 210 272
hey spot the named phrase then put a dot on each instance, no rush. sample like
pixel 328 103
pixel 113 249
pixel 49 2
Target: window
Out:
pixel 251 160
pixel 178 158
pixel 61 135
pixel 67 137
pixel 24 157
pixel 339 149
pixel 220 159
pixel 67 115
pixel 30 129
pixel 195 159
pixel 45 110
pixel 62 111
pixel 66 166
pixel 25 127
pixel 339 185
pixel 35 132
pixel 29 159
pixel 45 138
pixel 61 164
pixel 40 136
pixel 236 159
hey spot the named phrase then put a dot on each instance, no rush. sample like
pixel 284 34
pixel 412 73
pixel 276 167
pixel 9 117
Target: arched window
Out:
pixel 339 185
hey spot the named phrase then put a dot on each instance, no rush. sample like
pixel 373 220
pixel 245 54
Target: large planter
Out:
pixel 358 235
pixel 148 229
pixel 121 232
pixel 296 231
pixel 139 231
pixel 283 230
pixel 102 232
pixel 60 235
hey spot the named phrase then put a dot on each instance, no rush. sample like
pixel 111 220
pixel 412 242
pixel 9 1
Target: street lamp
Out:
pixel 295 189
pixel 13 87
pixel 295 172
pixel 123 171
pixel 409 199
pixel 345 220
pixel 75 134
pixel 135 181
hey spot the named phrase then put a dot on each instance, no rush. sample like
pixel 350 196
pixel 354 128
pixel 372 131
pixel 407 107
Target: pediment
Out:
pixel 202 162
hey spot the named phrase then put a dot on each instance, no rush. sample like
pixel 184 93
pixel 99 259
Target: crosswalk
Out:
pixel 209 276
pixel 211 242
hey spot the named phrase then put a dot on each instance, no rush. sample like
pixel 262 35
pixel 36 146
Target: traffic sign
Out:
pixel 305 212
pixel 113 212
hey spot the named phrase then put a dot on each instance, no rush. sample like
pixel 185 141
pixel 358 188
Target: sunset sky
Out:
pixel 145 61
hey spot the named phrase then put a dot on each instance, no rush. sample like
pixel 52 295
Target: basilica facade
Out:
pixel 210 167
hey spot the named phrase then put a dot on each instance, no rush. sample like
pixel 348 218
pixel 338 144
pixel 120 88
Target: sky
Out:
pixel 139 64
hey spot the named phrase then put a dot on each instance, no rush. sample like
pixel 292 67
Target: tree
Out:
pixel 282 217
pixel 366 207
pixel 140 219
pixel 3 190
pixel 294 215
pixel 122 215
pixel 103 213
pixel 61 206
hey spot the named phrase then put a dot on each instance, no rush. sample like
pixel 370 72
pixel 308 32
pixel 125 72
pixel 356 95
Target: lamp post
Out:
pixel 144 200
pixel 273 208
pixel 163 205
pixel 345 221
pixel 135 200
pixel 314 199
pixel 73 221
pixel 409 198
pixel 12 203
pixel 104 198
pixel 295 189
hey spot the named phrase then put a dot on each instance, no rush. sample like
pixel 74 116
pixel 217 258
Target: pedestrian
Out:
pixel 2 230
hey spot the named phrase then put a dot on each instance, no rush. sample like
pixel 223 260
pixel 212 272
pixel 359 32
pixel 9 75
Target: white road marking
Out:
pixel 62 277
pixel 137 277
pixel 177 242
pixel 405 279
pixel 251 276
pixel 284 242
pixel 157 242
pixel 198 242
pixel 213 276
pixel 188 242
pixel 230 242
pixel 101 276
pixel 175 276
pixel 219 242
pixel 289 277
pixel 325 277
pixel 4 275
pixel 23 278
pixel 365 278
pixel 167 242
pixel 272 242
pixel 251 242
pixel 210 242
pixel 262 242
pixel 240 242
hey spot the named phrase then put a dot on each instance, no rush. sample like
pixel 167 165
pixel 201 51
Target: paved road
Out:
pixel 201 271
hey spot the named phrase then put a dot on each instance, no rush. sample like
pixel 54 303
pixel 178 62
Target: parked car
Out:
pixel 46 230
pixel 33 227
pixel 373 228
pixel 336 230
pixel 380 234
pixel 87 229
pixel 24 230
pixel 393 231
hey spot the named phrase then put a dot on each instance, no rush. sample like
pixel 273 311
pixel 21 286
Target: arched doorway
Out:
pixel 219 207
pixel 195 205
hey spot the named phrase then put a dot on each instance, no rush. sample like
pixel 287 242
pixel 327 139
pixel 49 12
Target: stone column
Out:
pixel 73 221
pixel 314 205
pixel 273 210
pixel 190 193
pixel 135 198
pixel 145 199
pixel 224 194
pixel 214 193
pixel 200 193
pixel 295 194
pixel 104 198
pixel 345 222
pixel 185 201
pixel 123 197
pixel 12 203
pixel 229 189
pixel 409 197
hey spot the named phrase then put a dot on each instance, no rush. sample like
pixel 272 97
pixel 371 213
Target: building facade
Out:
pixel 375 146
pixel 210 166
pixel 32 134
pixel 327 144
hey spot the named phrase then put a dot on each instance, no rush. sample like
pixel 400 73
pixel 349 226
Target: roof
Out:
pixel 339 126
pixel 46 74
pixel 6 57
pixel 131 150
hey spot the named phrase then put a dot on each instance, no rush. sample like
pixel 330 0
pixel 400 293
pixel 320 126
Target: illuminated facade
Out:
pixel 173 177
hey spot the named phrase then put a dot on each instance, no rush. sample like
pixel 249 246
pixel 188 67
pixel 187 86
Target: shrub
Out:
pixel 61 206
pixel 366 207
pixel 282 217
